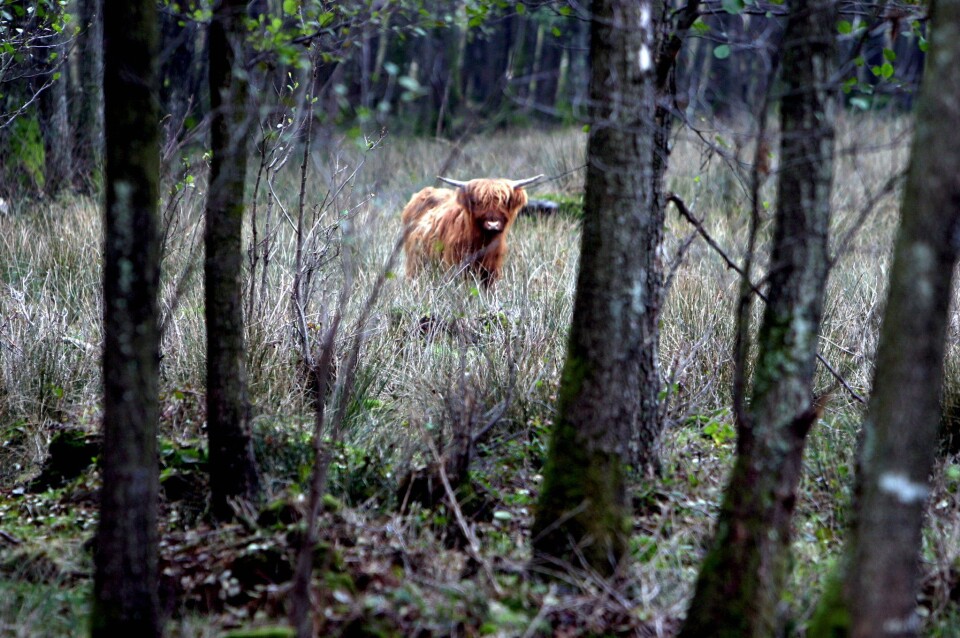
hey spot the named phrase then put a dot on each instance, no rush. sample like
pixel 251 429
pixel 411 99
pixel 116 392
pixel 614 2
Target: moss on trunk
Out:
pixel 607 417
pixel 739 588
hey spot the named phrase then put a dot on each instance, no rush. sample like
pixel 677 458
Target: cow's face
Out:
pixel 493 204
pixel 491 222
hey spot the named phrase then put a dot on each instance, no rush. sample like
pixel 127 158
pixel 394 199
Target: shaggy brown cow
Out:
pixel 466 227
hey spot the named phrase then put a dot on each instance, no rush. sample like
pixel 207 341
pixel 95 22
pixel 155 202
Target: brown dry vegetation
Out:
pixel 502 348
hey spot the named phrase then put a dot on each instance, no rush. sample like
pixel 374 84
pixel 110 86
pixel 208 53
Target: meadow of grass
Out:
pixel 438 354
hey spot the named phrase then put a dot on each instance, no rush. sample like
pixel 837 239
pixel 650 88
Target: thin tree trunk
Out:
pixel 547 72
pixel 880 584
pixel 125 558
pixel 88 120
pixel 55 119
pixel 233 470
pixel 583 510
pixel 740 583
pixel 177 71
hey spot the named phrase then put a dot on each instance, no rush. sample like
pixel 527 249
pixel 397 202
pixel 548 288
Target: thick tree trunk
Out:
pixel 125 559
pixel 739 587
pixel 233 471
pixel 879 593
pixel 583 509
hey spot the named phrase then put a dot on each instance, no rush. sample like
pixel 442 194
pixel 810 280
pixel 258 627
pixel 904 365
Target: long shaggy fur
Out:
pixel 466 227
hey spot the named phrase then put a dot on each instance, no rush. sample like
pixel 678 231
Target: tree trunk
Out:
pixel 55 118
pixel 880 584
pixel 22 151
pixel 88 96
pixel 576 72
pixel 583 510
pixel 721 85
pixel 233 471
pixel 179 94
pixel 125 559
pixel 547 76
pixel 486 62
pixel 738 590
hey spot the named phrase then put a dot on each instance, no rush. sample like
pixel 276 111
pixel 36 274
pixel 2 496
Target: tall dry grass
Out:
pixel 504 347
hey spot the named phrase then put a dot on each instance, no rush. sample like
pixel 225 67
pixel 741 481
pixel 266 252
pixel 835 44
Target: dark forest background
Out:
pixel 445 69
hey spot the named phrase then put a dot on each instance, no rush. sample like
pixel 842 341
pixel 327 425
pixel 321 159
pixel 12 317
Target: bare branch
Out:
pixel 685 212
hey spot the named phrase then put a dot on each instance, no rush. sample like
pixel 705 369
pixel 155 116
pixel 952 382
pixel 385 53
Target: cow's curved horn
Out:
pixel 520 183
pixel 452 182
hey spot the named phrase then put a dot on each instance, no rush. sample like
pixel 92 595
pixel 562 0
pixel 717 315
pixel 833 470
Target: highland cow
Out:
pixel 466 228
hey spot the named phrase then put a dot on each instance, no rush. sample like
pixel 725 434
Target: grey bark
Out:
pixel 233 470
pixel 583 509
pixel 742 577
pixel 125 557
pixel 55 118
pixel 88 121
pixel 181 72
pixel 880 584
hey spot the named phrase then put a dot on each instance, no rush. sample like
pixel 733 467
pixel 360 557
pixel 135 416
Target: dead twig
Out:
pixel 686 214
pixel 473 543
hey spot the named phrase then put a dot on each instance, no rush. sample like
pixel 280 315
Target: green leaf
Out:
pixel 889 55
pixel 521 9
pixel 732 6
pixel 290 7
pixel 700 26
pixel 859 60
pixel 409 83
pixel 721 52
pixel 886 71
pixel 844 27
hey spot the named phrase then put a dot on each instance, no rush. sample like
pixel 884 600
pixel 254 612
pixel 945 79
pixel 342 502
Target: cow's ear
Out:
pixel 519 199
pixel 464 199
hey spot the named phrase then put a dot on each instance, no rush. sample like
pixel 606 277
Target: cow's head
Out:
pixel 492 203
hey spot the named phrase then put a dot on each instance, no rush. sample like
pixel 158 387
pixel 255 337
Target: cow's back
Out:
pixel 428 199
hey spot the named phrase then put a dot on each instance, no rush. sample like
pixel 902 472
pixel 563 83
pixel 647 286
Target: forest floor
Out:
pixel 438 354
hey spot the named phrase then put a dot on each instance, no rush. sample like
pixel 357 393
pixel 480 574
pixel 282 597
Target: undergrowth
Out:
pixel 440 355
